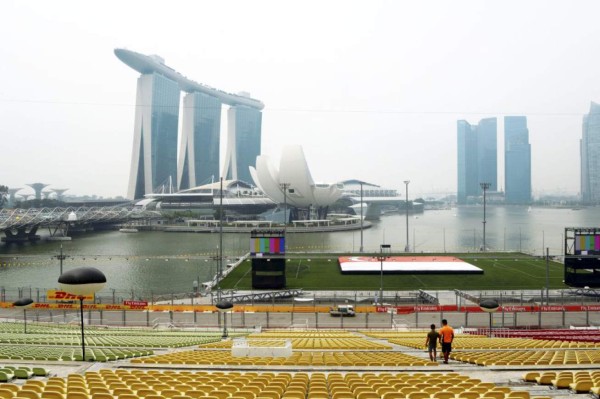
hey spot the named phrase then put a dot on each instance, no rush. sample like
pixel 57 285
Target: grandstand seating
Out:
pixel 155 384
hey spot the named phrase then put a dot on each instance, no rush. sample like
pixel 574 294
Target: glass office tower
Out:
pixel 517 160
pixel 199 152
pixel 243 142
pixel 590 156
pixel 154 158
pixel 467 161
pixel 477 158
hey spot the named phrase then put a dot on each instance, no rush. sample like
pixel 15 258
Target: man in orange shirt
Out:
pixel 446 338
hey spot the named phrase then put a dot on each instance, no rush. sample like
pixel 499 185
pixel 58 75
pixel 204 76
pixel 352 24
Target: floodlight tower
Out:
pixel 38 187
pixel 484 187
pixel 11 196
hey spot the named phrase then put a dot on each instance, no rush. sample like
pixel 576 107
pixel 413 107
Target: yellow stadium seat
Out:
pixel 581 386
pixel 6 393
pixel 29 394
pixel 518 395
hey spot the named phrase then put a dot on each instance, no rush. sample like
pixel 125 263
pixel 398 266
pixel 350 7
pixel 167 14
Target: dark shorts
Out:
pixel 432 347
pixel 446 346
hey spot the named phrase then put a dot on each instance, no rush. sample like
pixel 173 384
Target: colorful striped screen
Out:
pixel 587 244
pixel 267 245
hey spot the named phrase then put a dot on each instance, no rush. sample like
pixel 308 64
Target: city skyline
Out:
pixel 372 91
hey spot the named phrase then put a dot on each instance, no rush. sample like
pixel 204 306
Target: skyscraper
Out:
pixel 590 156
pixel 200 139
pixel 243 142
pixel 477 157
pixel 154 157
pixel 517 160
pixel 154 163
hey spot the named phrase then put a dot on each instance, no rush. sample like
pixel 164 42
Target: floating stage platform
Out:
pixel 406 265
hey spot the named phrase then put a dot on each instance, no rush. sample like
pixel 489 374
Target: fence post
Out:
pixel 147 318
pixel 367 320
pixel 587 317
pixel 317 320
pixel 267 319
pixel 124 317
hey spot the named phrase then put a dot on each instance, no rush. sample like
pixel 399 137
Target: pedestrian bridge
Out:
pixel 22 224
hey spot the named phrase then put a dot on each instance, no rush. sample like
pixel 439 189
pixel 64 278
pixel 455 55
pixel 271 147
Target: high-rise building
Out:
pixel 154 157
pixel 200 139
pixel 154 165
pixel 517 161
pixel 477 157
pixel 590 156
pixel 243 142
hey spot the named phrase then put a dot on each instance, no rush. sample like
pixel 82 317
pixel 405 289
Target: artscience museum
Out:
pixel 292 185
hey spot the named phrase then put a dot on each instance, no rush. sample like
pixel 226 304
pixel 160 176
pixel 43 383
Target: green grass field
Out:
pixel 501 271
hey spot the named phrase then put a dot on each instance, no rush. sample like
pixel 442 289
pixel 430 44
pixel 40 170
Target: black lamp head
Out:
pixel 82 281
pixel 489 305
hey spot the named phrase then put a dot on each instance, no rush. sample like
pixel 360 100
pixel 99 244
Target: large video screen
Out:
pixel 587 244
pixel 267 246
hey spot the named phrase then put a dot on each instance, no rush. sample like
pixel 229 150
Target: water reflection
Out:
pixel 166 262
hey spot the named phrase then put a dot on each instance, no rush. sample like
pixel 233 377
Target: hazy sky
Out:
pixel 371 89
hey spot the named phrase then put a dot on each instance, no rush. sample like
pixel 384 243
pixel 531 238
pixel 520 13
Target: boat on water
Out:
pixel 128 230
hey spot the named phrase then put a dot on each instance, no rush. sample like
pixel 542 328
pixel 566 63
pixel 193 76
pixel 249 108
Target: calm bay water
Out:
pixel 169 262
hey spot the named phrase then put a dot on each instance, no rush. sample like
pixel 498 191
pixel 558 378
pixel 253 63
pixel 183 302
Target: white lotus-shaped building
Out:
pixel 293 176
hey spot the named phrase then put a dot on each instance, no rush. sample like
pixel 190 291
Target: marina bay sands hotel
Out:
pixel 154 160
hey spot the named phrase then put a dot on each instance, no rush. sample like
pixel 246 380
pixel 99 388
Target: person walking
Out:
pixel 446 338
pixel 431 343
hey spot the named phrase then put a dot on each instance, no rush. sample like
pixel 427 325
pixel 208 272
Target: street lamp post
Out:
pixel 407 248
pixel 548 276
pixel 61 257
pixel 83 281
pixel 381 259
pixel 284 187
pixel 220 260
pixel 484 187
pixel 223 307
pixel 489 306
pixel 24 303
pixel 361 216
